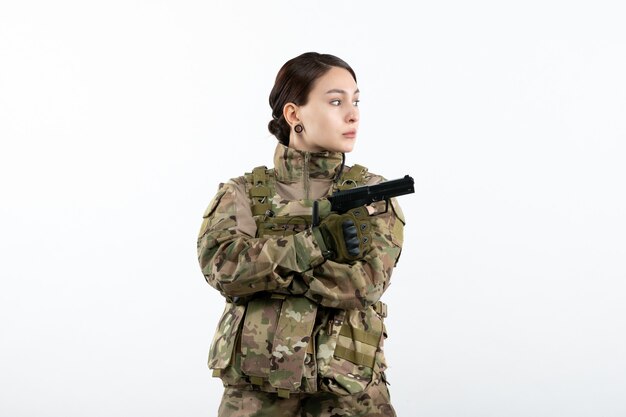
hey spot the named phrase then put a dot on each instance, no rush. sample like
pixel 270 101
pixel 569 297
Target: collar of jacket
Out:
pixel 291 165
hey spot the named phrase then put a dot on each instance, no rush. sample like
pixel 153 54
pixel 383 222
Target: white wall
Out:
pixel 118 119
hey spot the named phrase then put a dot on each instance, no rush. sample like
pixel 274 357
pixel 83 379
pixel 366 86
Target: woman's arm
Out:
pixel 238 264
pixel 361 283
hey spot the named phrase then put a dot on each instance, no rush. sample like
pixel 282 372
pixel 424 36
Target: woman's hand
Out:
pixel 345 237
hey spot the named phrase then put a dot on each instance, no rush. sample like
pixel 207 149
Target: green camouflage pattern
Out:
pixel 373 402
pixel 257 336
pixel 224 339
pixel 291 342
pixel 350 352
pixel 293 165
pixel 295 322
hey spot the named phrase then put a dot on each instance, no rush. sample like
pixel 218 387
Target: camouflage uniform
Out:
pixel 298 332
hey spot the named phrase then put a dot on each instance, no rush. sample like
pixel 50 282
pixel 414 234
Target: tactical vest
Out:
pixel 287 343
pixel 266 212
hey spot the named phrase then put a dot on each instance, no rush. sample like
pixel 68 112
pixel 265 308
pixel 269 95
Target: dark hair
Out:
pixel 293 83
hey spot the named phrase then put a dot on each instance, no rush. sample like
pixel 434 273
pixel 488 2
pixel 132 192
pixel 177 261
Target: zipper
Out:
pixel 307 156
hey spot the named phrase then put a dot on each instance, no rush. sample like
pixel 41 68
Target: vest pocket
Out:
pixel 275 339
pixel 349 351
pixel 225 339
pixel 257 337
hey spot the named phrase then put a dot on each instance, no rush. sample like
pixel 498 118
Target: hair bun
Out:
pixel 273 127
pixel 280 129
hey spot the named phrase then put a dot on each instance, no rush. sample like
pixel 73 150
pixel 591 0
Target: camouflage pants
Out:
pixel 373 402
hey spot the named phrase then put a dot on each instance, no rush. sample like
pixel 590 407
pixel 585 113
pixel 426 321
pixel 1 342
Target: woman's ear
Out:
pixel 290 113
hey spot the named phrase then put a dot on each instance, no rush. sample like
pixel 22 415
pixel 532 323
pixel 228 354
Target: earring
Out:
pixel 298 128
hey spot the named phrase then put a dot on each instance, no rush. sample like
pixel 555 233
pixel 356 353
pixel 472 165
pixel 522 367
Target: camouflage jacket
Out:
pixel 295 322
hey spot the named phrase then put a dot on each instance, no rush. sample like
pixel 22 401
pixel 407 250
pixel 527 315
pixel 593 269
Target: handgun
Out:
pixel 344 200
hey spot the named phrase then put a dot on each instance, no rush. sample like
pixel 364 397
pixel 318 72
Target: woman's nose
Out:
pixel 353 115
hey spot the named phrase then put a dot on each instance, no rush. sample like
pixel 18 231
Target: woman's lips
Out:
pixel 351 134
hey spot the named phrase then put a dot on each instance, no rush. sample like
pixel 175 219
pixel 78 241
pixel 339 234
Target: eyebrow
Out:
pixel 337 90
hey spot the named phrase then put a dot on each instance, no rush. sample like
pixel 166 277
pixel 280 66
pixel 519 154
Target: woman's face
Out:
pixel 331 116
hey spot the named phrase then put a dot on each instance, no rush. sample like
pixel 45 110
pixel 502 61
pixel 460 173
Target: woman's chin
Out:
pixel 345 145
pixel 348 146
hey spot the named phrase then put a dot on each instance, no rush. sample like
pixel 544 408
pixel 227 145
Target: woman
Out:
pixel 302 331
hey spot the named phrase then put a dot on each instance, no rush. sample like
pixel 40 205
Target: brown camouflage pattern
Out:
pixel 224 339
pixel 294 322
pixel 339 374
pixel 257 336
pixel 291 343
pixel 373 402
pixel 319 165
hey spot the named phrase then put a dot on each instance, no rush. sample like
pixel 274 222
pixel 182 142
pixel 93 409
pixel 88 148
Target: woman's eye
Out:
pixel 356 103
pixel 335 102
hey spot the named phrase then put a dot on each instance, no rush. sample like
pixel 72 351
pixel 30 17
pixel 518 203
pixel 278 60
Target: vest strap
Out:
pixel 259 175
pixel 256 380
pixel 354 357
pixel 261 190
pixel 354 177
pixel 380 308
pixel 359 335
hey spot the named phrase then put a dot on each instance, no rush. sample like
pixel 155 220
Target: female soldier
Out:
pixel 302 332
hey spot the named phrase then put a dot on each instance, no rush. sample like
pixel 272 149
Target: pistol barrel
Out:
pixel 345 200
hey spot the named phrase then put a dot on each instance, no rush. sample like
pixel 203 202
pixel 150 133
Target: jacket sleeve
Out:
pixel 235 262
pixel 362 283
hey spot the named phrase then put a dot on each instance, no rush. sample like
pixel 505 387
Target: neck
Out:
pixel 292 164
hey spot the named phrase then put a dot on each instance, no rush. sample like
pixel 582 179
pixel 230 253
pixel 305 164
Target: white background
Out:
pixel 118 120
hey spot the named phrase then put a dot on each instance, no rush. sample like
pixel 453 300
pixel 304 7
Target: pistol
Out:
pixel 344 200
